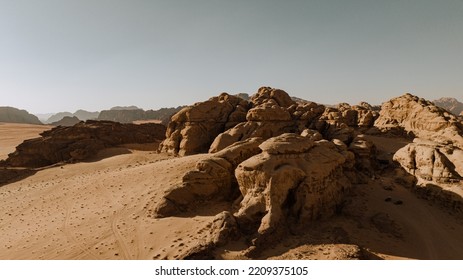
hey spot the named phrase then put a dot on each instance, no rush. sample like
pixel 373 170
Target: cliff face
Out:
pixel 14 115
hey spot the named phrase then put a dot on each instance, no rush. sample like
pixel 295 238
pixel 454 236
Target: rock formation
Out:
pixel 450 104
pixel 421 118
pixel 431 161
pixel 193 129
pixel 213 178
pixel 270 112
pixel 80 142
pixel 13 115
pixel 293 177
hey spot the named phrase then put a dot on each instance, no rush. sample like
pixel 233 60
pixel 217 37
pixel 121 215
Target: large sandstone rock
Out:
pixel 273 113
pixel 221 121
pixel 193 129
pixel 268 117
pixel 293 177
pixel 80 142
pixel 422 118
pixel 431 161
pixel 213 178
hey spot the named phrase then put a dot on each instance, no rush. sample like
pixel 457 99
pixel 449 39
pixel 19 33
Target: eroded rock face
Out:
pixel 193 128
pixel 422 118
pixel 304 180
pixel 80 142
pixel 431 161
pixel 211 179
pixel 221 121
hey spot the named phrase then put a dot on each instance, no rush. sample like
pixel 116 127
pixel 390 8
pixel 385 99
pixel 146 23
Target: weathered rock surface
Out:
pixel 365 154
pixel 421 118
pixel 193 129
pixel 215 124
pixel 213 178
pixel 431 161
pixel 304 181
pixel 80 142
pixel 13 115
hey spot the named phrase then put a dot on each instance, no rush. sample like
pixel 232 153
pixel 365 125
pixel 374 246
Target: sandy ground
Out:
pixel 13 134
pixel 97 210
pixel 102 210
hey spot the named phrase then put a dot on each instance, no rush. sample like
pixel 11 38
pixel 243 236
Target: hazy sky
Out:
pixel 62 55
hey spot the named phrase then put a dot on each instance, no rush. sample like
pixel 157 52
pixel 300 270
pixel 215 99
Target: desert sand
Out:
pixel 13 134
pixel 228 178
pixel 100 209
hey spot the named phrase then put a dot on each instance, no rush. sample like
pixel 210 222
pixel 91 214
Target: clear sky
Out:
pixel 62 55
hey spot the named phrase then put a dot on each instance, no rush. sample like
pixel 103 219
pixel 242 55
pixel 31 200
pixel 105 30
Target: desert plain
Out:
pixel 145 201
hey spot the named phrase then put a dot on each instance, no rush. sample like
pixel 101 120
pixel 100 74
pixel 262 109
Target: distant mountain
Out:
pixel 44 117
pixel 14 115
pixel 80 114
pixel 450 104
pixel 122 115
pixel 66 121
pixel 119 108
pixel 86 115
pixel 59 116
pixel 131 115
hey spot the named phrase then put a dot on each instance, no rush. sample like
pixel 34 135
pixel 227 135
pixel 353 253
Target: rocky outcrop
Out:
pixel 66 121
pixel 293 178
pixel 13 115
pixel 422 119
pixel 450 104
pixel 193 129
pixel 365 154
pixel 213 178
pixel 431 161
pixel 272 113
pixel 269 113
pixel 80 142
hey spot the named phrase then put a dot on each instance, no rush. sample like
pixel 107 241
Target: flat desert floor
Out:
pixel 101 209
pixel 13 134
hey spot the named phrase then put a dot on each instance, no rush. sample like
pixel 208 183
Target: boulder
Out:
pixel 431 161
pixel 212 179
pixel 305 182
pixel 194 128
